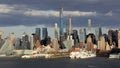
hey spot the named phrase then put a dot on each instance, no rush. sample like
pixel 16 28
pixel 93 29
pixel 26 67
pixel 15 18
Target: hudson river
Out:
pixel 98 62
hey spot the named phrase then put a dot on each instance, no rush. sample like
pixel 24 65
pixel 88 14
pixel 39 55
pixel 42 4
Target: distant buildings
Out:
pixel 75 38
pixel 65 38
pixel 25 41
pixel 2 34
pixel 101 43
pixel 56 30
pixel 38 34
pixel 70 25
pixel 119 39
pixel 32 43
pixel 61 24
pixel 89 26
pixel 44 33
pixel 1 38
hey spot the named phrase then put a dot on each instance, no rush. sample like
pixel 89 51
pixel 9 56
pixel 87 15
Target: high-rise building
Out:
pixel 76 38
pixel 25 41
pixel 92 37
pixel 38 33
pixel 45 38
pixel 85 32
pixel 2 34
pixel 70 25
pixel 97 34
pixel 31 42
pixel 61 25
pixel 81 34
pixel 89 42
pixel 44 33
pixel 110 33
pixel 119 39
pixel 89 26
pixel 100 31
pixel 12 38
pixel 67 29
pixel 8 47
pixel 102 43
pixel 55 44
pixel 56 30
pixel 107 47
pixel 113 37
pixel 1 42
pixel 17 43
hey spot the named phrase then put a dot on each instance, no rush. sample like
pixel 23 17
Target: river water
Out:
pixel 98 62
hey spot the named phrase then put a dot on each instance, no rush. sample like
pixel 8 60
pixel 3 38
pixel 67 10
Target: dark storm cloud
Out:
pixel 107 11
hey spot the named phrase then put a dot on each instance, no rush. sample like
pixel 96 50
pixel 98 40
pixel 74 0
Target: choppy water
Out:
pixel 98 62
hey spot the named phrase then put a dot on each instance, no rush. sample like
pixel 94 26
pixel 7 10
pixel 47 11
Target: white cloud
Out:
pixel 79 13
pixel 56 13
pixel 13 9
pixel 5 8
pixel 41 13
pixel 109 14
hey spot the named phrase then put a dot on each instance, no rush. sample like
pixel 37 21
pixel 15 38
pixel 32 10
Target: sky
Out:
pixel 46 12
pixel 31 13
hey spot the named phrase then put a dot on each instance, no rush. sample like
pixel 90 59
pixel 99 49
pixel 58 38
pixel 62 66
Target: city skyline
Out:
pixel 39 12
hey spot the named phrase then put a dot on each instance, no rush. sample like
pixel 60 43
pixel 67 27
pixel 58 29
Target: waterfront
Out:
pixel 98 62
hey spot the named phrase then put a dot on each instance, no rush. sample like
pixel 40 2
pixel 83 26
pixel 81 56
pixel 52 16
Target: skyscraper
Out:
pixel 85 32
pixel 56 30
pixel 1 38
pixel 89 26
pixel 44 33
pixel 1 42
pixel 17 43
pixel 70 25
pixel 67 29
pixel 25 41
pixel 61 25
pixel 38 33
pixel 101 43
pixel 119 39
pixel 89 43
pixel 2 34
pixel 97 34
pixel 38 37
pixel 100 31
pixel 110 33
pixel 81 35
pixel 31 42
pixel 12 38
pixel 76 38
pixel 55 44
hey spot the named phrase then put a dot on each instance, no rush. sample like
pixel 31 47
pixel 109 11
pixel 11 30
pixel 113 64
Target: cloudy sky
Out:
pixel 46 12
pixel 25 15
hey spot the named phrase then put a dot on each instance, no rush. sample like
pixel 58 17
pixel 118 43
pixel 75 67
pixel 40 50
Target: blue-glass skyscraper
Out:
pixel 61 24
pixel 38 33
pixel 44 33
